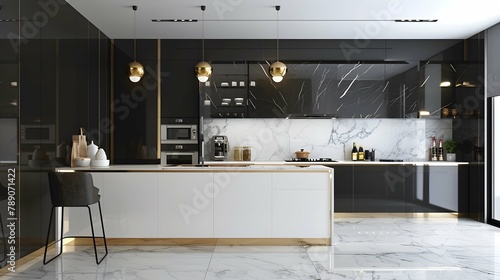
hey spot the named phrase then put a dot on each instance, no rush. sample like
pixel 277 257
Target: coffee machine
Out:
pixel 219 147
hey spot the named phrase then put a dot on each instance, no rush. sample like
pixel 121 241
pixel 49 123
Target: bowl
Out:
pixel 81 161
pixel 99 163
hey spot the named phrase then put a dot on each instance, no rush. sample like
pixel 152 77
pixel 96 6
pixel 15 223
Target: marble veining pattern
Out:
pixel 365 248
pixel 278 139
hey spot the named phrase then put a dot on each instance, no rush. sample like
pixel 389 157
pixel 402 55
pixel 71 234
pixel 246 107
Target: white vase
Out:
pixel 450 157
pixel 92 150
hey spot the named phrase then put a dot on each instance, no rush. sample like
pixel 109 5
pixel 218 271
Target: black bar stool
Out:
pixel 73 189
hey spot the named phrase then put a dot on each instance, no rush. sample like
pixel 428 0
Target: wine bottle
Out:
pixel 433 149
pixel 440 150
pixel 361 153
pixel 354 152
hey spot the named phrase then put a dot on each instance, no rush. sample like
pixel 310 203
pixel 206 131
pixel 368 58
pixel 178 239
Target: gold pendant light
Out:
pixel 136 70
pixel 278 68
pixel 203 69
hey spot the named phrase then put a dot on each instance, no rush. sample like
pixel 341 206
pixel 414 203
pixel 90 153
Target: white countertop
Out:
pixel 249 166
pixel 226 167
pixel 340 162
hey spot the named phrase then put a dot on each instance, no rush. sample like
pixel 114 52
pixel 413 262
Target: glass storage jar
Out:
pixel 247 153
pixel 238 153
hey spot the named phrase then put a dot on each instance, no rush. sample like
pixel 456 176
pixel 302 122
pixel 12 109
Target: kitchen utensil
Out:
pixel 302 154
pixel 79 147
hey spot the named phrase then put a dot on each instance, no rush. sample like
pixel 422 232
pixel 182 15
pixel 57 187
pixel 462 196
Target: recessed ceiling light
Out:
pixel 174 20
pixel 416 20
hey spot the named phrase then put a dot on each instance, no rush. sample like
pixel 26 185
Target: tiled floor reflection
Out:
pixel 365 248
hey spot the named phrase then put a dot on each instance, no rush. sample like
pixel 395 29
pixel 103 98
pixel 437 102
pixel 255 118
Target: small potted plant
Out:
pixel 450 146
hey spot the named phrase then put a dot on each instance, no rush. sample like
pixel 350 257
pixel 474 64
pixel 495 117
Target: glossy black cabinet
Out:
pixel 180 96
pixel 179 89
pixel 343 188
pixel 400 188
pixel 225 95
pixel 135 105
pixel 316 89
pixel 62 75
pixel 381 188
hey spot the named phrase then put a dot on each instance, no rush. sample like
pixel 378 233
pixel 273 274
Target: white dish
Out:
pixel 99 163
pixel 238 100
pixel 227 100
pixel 224 104
pixel 239 104
pixel 81 161
pixel 224 84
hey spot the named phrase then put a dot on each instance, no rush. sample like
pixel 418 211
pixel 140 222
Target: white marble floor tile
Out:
pixel 364 248
pixel 261 262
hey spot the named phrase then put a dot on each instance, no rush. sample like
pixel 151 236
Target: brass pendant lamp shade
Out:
pixel 136 70
pixel 203 69
pixel 278 68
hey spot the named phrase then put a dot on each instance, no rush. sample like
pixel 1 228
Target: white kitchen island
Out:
pixel 241 205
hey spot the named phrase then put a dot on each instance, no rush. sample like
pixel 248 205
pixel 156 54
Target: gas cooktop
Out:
pixel 311 160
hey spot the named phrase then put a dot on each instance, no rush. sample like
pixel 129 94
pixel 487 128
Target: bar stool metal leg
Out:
pixel 93 235
pixel 48 234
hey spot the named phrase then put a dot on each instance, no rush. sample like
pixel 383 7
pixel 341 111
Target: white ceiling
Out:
pixel 299 19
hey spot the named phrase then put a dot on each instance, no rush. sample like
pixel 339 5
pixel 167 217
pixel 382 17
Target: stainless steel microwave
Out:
pixel 38 134
pixel 179 134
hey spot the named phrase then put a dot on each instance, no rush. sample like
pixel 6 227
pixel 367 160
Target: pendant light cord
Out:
pixel 277 33
pixel 135 11
pixel 203 34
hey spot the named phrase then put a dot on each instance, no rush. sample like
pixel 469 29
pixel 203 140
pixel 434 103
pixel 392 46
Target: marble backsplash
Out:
pixel 278 139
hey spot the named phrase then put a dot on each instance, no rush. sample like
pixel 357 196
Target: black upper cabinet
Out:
pixel 179 85
pixel 179 89
pixel 312 89
pixel 226 94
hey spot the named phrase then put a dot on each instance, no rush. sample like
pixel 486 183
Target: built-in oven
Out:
pixel 38 134
pixel 179 134
pixel 179 154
